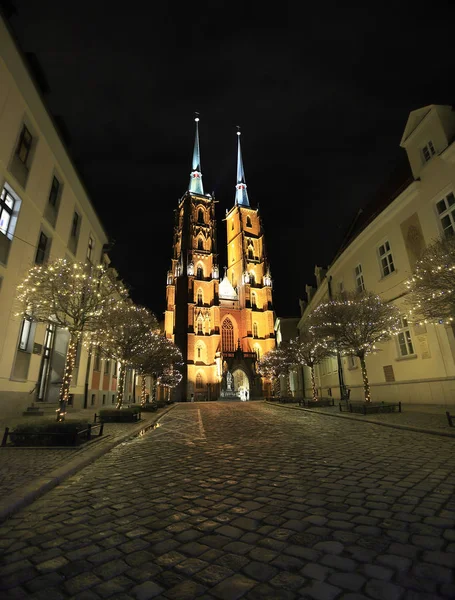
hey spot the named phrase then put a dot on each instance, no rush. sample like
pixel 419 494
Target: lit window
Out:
pixel 250 252
pixel 42 250
pixel 90 248
pixel 6 210
pixel 253 301
pixel 248 222
pixel 24 339
pixel 25 145
pixel 360 285
pixel 386 259
pixel 255 330
pixel 428 151
pixel 199 298
pixel 199 352
pixel 199 327
pixel 227 336
pixel 199 383
pixel 258 352
pixel 200 273
pixel 200 245
pixel 446 211
pixel 404 338
pixel 107 366
pixel 252 278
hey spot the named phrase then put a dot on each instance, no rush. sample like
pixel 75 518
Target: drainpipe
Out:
pixel 343 391
pixel 87 376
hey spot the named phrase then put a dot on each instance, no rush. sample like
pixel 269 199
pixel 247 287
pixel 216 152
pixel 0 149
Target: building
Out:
pixel 379 253
pixel 286 329
pixel 45 213
pixel 221 327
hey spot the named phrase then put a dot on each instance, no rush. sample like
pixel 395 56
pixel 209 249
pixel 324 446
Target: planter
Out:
pixel 119 415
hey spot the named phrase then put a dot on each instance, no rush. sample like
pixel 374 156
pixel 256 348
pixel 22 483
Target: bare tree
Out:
pixel 432 285
pixel 308 351
pixel 125 335
pixel 160 354
pixel 73 296
pixel 353 325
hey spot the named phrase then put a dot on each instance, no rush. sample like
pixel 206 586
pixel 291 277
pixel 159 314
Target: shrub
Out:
pixel 124 414
pixel 42 433
pixel 149 407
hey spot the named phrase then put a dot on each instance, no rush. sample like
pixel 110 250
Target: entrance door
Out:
pixel 241 384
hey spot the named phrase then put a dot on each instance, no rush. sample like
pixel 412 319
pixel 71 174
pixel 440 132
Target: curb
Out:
pixel 358 420
pixel 37 487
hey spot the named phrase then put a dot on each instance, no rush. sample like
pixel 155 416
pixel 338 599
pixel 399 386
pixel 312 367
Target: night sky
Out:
pixel 322 94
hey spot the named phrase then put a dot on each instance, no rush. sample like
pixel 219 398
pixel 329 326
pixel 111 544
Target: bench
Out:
pixel 366 408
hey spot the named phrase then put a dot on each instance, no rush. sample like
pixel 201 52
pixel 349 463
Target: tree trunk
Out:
pixel 313 384
pixel 121 384
pixel 67 377
pixel 143 390
pixel 366 385
pixel 277 385
pixel 153 390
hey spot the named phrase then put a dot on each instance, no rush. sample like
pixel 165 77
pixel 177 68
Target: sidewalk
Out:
pixel 27 473
pixel 424 418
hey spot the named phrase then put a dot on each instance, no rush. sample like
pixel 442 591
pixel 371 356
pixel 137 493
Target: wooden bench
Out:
pixel 366 408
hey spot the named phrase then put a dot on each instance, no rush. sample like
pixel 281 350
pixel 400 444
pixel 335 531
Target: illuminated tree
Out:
pixel 353 325
pixel 169 379
pixel 308 351
pixel 125 336
pixel 73 296
pixel 160 354
pixel 273 365
pixel 432 286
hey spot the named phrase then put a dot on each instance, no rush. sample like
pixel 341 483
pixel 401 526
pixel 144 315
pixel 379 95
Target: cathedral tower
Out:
pixel 192 305
pixel 222 328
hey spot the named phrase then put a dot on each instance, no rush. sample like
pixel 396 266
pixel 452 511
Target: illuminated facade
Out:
pixel 222 327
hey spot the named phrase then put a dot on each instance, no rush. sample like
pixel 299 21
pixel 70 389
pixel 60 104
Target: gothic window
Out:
pixel 199 298
pixel 199 384
pixel 258 352
pixel 200 244
pixel 199 327
pixel 253 301
pixel 248 222
pixel 199 352
pixel 255 330
pixel 227 336
pixel 200 215
pixel 250 252
pixel 200 273
pixel 252 278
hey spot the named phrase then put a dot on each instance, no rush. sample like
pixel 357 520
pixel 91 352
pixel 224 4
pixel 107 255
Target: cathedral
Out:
pixel 222 322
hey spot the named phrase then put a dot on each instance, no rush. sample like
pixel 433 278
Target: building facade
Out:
pixel 418 364
pixel 221 326
pixel 45 213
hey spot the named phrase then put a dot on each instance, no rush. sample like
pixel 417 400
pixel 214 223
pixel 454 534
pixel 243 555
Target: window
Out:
pixel 200 273
pixel 250 252
pixel 248 222
pixel 428 151
pixel 232 226
pixel 42 251
pixel 74 233
pixel 258 352
pixel 25 145
pixel 386 258
pixel 24 339
pixel 113 398
pixel 200 245
pixel 93 400
pixel 227 336
pixel 199 298
pixel 199 352
pixel 199 383
pixel 360 285
pixel 97 361
pixel 6 210
pixel 90 248
pixel 446 211
pixel 199 327
pixel 352 363
pixel 200 215
pixel 252 278
pixel 255 330
pixel 404 338
pixel 104 398
pixel 107 366
pixel 253 301
pixel 54 193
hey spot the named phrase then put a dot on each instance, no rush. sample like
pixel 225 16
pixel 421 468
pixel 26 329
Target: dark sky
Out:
pixel 321 91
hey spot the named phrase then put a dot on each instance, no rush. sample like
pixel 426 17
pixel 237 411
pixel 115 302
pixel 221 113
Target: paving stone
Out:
pixel 264 591
pixel 320 591
pixel 339 562
pixel 238 547
pixel 315 571
pixel 81 582
pixel 111 569
pixel 190 566
pixel 399 563
pixel 378 572
pixel 113 586
pixel 186 590
pixel 213 574
pixel 232 561
pixel 259 571
pixel 432 572
pixel 146 590
pixel 445 559
pixel 383 590
pixel 329 547
pixel 233 587
pixel 52 564
pixel 287 563
pixel 347 581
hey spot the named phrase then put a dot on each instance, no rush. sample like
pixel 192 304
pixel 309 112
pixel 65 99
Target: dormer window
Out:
pixel 248 222
pixel 428 151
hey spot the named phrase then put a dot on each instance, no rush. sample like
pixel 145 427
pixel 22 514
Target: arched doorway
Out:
pixel 241 384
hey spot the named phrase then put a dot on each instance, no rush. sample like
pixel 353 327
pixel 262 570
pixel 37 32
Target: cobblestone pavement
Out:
pixel 245 500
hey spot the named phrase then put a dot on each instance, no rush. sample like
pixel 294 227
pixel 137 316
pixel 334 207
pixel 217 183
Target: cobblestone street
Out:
pixel 244 500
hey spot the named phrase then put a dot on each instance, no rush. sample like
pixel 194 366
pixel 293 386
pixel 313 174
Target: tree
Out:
pixel 125 335
pixel 159 355
pixel 169 379
pixel 273 364
pixel 353 325
pixel 432 285
pixel 307 351
pixel 73 295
